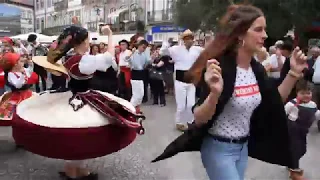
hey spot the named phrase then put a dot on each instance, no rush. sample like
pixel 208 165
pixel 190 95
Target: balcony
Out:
pixel 122 28
pixel 160 17
pixel 92 2
pixel 60 5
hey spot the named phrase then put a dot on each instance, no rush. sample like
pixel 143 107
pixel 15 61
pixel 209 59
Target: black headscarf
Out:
pixel 75 35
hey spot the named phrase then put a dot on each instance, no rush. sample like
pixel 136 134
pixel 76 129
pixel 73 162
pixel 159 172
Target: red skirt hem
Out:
pixel 71 143
pixel 5 122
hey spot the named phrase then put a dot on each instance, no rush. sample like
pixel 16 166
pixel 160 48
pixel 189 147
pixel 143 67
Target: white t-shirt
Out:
pixel 273 61
pixel 234 121
pixel 316 74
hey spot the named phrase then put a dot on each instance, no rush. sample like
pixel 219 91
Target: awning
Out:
pixel 117 12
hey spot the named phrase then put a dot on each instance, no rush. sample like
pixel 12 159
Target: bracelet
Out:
pixel 295 75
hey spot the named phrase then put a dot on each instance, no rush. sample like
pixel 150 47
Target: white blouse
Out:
pixel 100 62
pixel 19 79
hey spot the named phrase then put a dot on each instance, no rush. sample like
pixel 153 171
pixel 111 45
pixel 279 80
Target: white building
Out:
pixel 160 21
pixel 52 15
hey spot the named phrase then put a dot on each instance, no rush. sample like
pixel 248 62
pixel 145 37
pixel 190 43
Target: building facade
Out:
pixel 161 22
pixel 16 18
pixel 123 15
pixel 52 16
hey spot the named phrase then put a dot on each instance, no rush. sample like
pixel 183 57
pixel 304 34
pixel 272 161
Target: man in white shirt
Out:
pixel 183 56
pixel 124 71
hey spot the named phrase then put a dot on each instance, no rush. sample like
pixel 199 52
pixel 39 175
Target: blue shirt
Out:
pixel 139 60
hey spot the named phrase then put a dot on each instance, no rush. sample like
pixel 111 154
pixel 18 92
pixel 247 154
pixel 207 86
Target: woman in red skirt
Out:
pixel 19 80
pixel 81 123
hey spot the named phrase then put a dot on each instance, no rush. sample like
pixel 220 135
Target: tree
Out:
pixel 187 14
pixel 281 15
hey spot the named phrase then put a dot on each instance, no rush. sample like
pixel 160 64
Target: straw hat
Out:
pixel 56 69
pixel 187 33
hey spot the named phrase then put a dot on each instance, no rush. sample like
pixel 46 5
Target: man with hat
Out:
pixel 183 56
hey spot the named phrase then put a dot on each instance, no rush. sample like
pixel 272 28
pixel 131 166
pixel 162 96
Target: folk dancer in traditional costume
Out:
pixel 19 80
pixel 82 123
pixel 124 72
pixel 183 56
pixel 138 62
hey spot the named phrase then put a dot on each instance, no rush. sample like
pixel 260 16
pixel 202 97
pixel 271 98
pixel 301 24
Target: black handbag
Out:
pixel 155 74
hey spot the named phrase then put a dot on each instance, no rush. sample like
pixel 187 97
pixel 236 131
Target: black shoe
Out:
pixel 19 146
pixel 155 103
pixel 163 105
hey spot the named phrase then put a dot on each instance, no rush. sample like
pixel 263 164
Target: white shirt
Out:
pixel 273 61
pixel 100 62
pixel 234 121
pixel 182 57
pixel 18 79
pixel 122 58
pixel 316 74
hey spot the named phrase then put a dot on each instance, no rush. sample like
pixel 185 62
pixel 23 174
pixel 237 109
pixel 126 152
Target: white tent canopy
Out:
pixel 95 38
pixel 40 37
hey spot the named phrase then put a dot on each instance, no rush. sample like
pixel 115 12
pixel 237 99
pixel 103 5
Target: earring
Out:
pixel 243 42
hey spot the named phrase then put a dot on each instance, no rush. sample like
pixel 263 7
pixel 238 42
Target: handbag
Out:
pixel 155 74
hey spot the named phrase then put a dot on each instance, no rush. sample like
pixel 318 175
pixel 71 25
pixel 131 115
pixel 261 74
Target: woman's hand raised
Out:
pixel 298 61
pixel 213 77
pixel 106 30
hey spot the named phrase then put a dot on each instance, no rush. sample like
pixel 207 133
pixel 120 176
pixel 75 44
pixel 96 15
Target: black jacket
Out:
pixel 268 141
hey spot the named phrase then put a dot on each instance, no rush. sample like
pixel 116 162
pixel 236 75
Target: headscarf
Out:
pixel 70 37
pixel 8 40
pixel 9 60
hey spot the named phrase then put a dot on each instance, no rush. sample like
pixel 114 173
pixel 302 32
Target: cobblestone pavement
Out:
pixel 133 163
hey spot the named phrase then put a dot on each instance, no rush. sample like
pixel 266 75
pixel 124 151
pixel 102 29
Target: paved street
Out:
pixel 133 163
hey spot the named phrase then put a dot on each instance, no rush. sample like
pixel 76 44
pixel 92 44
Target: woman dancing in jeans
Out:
pixel 239 113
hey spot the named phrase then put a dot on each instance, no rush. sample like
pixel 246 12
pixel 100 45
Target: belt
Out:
pixel 228 140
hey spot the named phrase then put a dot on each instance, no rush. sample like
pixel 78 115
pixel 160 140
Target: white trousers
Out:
pixel 137 87
pixel 185 98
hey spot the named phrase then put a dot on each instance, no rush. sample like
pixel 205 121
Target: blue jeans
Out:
pixel 224 161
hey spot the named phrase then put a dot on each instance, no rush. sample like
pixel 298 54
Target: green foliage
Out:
pixel 282 15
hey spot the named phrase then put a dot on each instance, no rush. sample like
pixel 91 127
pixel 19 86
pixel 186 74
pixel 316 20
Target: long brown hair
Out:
pixel 233 24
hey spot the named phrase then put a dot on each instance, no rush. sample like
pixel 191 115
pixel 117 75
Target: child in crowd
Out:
pixel 301 113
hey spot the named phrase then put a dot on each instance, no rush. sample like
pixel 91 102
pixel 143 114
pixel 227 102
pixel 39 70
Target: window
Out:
pixel 49 21
pixel 30 15
pixel 41 4
pixel 49 3
pixel 78 14
pixel 42 23
pixel 38 23
pixel 133 16
pixel 37 4
pixel 112 10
